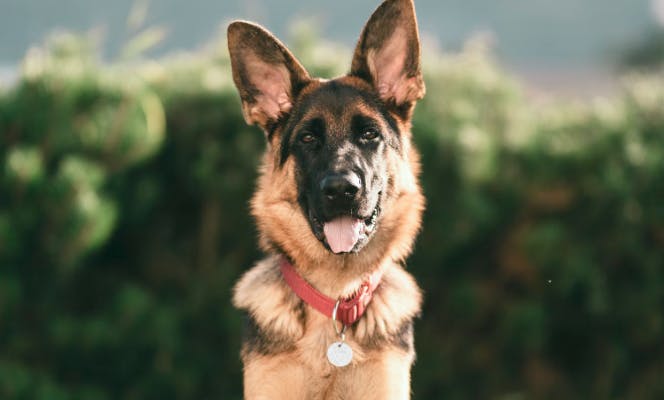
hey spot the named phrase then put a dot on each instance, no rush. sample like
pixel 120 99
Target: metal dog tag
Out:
pixel 339 354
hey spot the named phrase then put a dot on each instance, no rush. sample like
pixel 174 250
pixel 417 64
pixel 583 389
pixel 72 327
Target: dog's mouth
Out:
pixel 345 233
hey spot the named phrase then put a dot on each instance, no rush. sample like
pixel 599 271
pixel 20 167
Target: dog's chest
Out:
pixel 311 352
pixel 319 335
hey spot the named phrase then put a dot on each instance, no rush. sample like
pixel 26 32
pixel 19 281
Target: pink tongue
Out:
pixel 342 233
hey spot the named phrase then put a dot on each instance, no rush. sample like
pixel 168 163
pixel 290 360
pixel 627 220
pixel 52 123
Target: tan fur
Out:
pixel 293 366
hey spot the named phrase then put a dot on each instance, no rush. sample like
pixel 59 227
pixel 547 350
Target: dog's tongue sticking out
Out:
pixel 342 233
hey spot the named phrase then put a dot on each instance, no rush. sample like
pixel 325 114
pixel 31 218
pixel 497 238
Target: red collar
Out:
pixel 348 311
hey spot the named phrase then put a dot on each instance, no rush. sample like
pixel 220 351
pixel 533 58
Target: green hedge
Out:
pixel 124 223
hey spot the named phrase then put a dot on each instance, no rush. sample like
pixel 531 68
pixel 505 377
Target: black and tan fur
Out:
pixel 284 349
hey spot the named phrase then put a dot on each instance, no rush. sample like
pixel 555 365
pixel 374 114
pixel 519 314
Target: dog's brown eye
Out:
pixel 370 135
pixel 307 138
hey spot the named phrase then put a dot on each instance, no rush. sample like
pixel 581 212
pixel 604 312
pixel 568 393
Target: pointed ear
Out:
pixel 388 53
pixel 266 74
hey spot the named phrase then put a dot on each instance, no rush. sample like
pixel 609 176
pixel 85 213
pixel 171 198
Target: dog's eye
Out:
pixel 370 135
pixel 307 138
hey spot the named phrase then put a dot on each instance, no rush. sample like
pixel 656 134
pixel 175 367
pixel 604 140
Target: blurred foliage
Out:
pixel 648 53
pixel 124 223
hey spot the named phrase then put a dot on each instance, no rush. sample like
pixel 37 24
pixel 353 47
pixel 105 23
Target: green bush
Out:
pixel 124 223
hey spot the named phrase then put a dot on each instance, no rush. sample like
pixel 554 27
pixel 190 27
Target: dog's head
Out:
pixel 339 175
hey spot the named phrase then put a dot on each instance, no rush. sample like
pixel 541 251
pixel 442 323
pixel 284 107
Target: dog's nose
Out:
pixel 341 186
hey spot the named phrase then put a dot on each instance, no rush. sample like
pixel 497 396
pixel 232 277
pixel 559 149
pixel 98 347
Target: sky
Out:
pixel 529 35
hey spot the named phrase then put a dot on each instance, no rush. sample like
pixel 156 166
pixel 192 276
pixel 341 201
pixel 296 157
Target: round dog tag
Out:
pixel 339 354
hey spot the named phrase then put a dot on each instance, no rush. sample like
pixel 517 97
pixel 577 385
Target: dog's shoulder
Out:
pixel 272 308
pixel 257 284
pixel 389 318
pixel 398 297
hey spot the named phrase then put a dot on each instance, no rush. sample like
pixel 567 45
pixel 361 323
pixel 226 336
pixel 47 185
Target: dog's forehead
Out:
pixel 337 102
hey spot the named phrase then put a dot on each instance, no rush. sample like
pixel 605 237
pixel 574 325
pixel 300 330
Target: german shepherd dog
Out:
pixel 330 310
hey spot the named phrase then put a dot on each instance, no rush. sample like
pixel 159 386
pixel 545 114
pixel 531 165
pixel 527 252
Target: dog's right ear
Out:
pixel 266 74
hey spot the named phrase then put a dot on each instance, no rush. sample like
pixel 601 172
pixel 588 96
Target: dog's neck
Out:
pixel 346 310
pixel 338 276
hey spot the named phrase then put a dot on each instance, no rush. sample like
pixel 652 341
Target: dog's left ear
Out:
pixel 388 54
pixel 265 72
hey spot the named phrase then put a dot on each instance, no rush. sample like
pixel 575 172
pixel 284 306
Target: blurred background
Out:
pixel 566 46
pixel 126 169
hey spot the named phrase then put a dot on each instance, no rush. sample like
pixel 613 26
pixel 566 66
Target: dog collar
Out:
pixel 347 311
